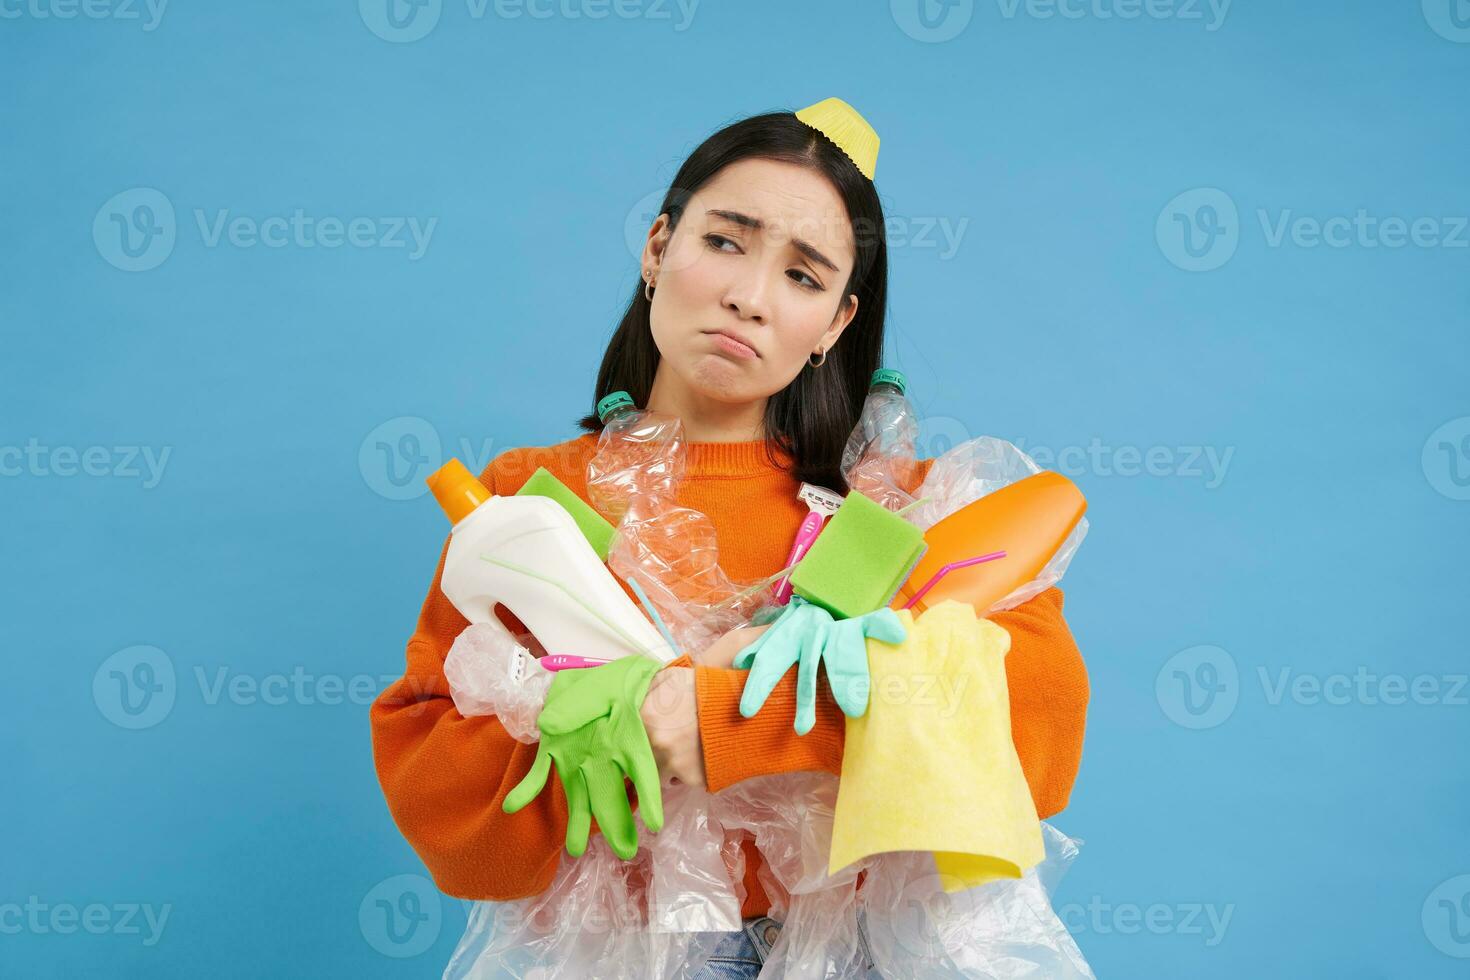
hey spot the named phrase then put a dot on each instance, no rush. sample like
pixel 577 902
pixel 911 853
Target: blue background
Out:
pixel 1332 541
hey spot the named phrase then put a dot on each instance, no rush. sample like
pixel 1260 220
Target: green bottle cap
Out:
pixel 887 376
pixel 614 402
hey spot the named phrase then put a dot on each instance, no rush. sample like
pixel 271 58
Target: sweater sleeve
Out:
pixel 445 776
pixel 1048 691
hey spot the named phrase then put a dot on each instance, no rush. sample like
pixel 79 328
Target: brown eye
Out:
pixel 810 283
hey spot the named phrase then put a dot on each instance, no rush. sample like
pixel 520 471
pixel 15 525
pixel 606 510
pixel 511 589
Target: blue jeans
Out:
pixel 740 955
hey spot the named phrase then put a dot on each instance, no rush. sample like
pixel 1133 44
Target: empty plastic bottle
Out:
pixel 878 460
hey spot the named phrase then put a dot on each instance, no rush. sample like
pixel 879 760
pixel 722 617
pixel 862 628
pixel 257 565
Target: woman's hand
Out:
pixel 723 651
pixel 671 717
pixel 670 712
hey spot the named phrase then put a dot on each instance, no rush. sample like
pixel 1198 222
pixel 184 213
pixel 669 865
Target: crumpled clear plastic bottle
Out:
pixel 639 460
pixel 878 460
pixel 670 551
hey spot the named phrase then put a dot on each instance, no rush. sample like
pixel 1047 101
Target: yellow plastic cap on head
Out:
pixel 845 126
pixel 457 490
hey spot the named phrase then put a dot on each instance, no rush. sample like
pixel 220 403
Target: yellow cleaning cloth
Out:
pixel 931 766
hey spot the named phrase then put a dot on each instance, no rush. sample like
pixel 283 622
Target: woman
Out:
pixel 758 323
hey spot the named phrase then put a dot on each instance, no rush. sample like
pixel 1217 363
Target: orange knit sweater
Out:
pixel 445 776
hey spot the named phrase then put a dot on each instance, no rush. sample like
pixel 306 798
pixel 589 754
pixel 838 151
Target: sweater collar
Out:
pixel 723 458
pixel 734 458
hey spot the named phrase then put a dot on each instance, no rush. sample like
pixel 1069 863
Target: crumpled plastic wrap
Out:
pixel 656 917
pixel 661 915
pixel 1004 930
pixel 998 931
pixel 585 925
pixel 972 470
pixel 490 673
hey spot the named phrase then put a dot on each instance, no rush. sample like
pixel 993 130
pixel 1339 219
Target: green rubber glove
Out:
pixel 592 729
pixel 807 635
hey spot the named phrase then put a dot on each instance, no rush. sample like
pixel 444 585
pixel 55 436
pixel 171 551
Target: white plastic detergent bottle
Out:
pixel 527 553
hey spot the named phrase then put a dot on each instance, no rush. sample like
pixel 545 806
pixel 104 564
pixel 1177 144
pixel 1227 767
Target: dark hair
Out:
pixel 811 417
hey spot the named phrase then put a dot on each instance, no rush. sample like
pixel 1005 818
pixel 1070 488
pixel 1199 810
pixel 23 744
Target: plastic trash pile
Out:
pixel 660 915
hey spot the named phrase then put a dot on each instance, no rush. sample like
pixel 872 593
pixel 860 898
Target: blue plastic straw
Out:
pixel 653 614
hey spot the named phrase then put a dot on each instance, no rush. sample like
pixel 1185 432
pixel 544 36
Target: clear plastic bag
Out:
pixel 1005 930
pixel 656 917
pixel 998 931
pixel 660 916
pixel 589 923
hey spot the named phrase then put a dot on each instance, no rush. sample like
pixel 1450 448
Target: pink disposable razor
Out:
pixel 565 661
pixel 822 504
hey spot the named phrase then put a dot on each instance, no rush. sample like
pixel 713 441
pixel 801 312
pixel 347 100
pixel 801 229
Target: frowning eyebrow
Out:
pixel 755 224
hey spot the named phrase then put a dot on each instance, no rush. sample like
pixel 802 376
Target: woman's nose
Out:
pixel 749 297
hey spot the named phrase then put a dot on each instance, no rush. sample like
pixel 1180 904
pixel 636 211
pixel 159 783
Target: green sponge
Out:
pixel 594 527
pixel 862 556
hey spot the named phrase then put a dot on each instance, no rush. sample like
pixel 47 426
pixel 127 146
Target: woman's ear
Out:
pixel 840 320
pixel 657 243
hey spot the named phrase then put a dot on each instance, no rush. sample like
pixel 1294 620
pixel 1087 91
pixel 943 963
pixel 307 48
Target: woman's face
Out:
pixel 750 282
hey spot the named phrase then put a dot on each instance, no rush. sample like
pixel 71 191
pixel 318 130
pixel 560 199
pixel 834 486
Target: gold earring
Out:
pixel 819 362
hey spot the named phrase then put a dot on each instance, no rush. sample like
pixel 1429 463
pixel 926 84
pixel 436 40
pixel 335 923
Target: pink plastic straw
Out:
pixel 949 568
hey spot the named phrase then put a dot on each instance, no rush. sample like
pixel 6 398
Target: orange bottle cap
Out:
pixel 457 490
